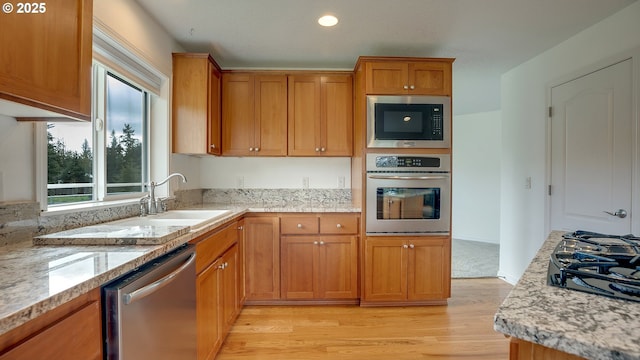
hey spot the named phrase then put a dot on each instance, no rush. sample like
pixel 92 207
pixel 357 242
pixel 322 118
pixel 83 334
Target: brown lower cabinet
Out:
pixel 218 290
pixel 71 331
pixel 302 257
pixel 525 350
pixel 411 270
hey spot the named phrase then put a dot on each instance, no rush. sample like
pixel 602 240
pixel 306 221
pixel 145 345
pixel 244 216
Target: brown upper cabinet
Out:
pixel 402 76
pixel 254 114
pixel 196 104
pixel 320 115
pixel 49 65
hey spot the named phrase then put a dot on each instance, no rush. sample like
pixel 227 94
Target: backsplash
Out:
pixel 18 221
pixel 278 197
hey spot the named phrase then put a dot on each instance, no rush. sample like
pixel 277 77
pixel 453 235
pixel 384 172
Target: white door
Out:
pixel 591 152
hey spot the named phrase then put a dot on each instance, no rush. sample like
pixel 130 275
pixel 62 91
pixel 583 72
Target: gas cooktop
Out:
pixel 601 264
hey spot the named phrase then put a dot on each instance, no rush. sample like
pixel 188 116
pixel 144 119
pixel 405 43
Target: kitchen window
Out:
pixel 107 158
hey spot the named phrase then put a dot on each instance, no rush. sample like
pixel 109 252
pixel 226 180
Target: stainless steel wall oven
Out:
pixel 408 194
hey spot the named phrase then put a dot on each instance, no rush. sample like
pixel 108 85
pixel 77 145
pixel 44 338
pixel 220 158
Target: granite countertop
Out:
pixel 588 325
pixel 36 279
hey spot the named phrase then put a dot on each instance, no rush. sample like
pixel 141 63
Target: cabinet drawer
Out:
pixel 210 247
pixel 338 224
pixel 299 224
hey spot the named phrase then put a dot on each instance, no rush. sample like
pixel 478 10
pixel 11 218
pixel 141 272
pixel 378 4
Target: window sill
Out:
pixel 97 205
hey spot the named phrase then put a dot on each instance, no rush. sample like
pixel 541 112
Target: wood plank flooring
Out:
pixel 461 330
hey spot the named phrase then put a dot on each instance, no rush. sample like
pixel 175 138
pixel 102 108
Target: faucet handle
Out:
pixel 144 202
pixel 161 204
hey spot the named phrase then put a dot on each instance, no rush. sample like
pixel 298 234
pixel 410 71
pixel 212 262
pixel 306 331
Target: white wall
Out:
pixel 16 160
pixel 523 221
pixel 476 177
pixel 274 173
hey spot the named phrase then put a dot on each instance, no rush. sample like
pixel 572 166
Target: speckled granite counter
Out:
pixel 36 279
pixel 587 325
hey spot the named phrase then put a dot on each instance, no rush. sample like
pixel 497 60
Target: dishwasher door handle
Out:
pixel 156 285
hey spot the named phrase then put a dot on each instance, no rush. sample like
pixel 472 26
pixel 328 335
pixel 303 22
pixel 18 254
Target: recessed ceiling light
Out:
pixel 328 20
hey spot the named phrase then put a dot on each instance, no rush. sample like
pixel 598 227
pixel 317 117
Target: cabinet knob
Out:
pixel 213 146
pixel 321 242
pixel 406 87
pixel 322 149
pixel 339 226
pixel 240 227
pixel 317 149
pixel 315 243
pixel 412 87
pixel 405 246
pixel 257 149
pixel 411 246
pixel 299 226
pixel 250 149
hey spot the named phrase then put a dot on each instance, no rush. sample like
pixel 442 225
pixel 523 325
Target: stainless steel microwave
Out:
pixel 407 121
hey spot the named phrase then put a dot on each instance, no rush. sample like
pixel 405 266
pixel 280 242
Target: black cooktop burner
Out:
pixel 602 264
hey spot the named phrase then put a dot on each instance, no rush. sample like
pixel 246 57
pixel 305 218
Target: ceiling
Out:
pixel 487 37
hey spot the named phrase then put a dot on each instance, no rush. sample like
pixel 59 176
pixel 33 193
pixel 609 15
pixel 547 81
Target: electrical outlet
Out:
pixel 305 182
pixel 340 182
pixel 1 186
pixel 527 182
pixel 240 182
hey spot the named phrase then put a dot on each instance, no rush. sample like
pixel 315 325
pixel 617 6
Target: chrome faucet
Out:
pixel 153 206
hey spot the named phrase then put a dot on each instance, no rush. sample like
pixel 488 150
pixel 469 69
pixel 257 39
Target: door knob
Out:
pixel 621 213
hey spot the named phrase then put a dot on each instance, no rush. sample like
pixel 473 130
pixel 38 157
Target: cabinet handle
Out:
pixel 406 87
pixel 240 227
pixel 339 226
pixel 299 226
pixel 411 246
pixel 412 87
pixel 405 246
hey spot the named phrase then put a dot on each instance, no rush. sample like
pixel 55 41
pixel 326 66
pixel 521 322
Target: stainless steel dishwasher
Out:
pixel 150 313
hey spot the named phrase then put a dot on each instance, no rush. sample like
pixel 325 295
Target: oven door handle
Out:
pixel 400 177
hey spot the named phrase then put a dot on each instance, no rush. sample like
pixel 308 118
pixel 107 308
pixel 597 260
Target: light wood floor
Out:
pixel 461 330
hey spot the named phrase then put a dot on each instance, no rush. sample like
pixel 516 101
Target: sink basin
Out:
pixel 191 214
pixel 192 218
pixel 148 230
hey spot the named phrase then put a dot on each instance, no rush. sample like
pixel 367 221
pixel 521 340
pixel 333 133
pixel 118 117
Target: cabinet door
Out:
pixel 386 77
pixel 304 115
pixel 215 79
pixel 430 78
pixel 77 336
pixel 337 272
pixel 238 121
pixel 241 264
pixel 196 108
pixel 299 267
pixel 49 64
pixel 270 136
pixel 262 256
pixel 336 119
pixel 229 289
pixel 385 270
pixel 429 270
pixel 208 312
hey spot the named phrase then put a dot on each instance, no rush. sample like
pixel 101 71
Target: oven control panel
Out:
pixel 407 162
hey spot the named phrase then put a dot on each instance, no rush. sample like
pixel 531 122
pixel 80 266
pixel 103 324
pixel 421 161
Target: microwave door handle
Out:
pixel 399 177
